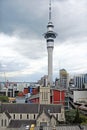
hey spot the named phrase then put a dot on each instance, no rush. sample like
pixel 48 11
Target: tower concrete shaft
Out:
pixel 50 65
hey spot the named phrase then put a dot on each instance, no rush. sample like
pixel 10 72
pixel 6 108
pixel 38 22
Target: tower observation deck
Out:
pixel 50 35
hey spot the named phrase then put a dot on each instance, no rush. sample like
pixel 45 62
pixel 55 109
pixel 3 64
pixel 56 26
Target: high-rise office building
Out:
pixel 80 81
pixel 64 79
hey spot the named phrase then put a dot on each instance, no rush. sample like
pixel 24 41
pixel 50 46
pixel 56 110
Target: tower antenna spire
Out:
pixel 49 10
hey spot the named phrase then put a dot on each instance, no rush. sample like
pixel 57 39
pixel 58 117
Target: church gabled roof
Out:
pixel 46 113
pixel 30 108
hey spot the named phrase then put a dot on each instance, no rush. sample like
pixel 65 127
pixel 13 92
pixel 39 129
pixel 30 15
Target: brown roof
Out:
pixel 30 108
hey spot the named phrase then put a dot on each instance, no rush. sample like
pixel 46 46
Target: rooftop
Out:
pixel 30 108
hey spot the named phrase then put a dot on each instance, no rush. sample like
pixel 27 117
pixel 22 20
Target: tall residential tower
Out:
pixel 49 36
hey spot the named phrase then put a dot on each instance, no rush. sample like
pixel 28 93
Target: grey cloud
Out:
pixel 24 78
pixel 30 17
pixel 71 19
pixel 11 65
pixel 33 49
pixel 21 15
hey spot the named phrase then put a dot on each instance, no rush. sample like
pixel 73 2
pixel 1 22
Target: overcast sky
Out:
pixel 23 52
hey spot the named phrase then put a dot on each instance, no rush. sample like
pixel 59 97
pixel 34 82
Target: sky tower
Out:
pixel 49 36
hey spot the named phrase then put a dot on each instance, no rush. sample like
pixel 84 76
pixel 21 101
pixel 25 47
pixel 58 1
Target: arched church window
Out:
pixel 20 116
pixel 34 116
pixel 2 122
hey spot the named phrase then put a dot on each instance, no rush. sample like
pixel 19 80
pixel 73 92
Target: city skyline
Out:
pixel 23 52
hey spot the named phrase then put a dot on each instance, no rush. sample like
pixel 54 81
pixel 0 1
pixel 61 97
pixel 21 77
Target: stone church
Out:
pixel 17 115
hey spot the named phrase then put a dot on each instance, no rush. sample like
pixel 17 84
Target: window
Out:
pixel 46 95
pixel 34 116
pixel 1 122
pixel 14 116
pixel 5 122
pixel 27 116
pixel 20 116
pixel 57 116
pixel 42 96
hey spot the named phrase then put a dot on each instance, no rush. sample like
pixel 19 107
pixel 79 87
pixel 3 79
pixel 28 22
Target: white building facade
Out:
pixel 78 95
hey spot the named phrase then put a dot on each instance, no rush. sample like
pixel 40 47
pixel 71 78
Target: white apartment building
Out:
pixel 78 95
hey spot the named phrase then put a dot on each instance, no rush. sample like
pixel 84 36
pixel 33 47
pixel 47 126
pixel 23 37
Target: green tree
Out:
pixel 4 99
pixel 77 119
pixel 83 119
pixel 70 116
